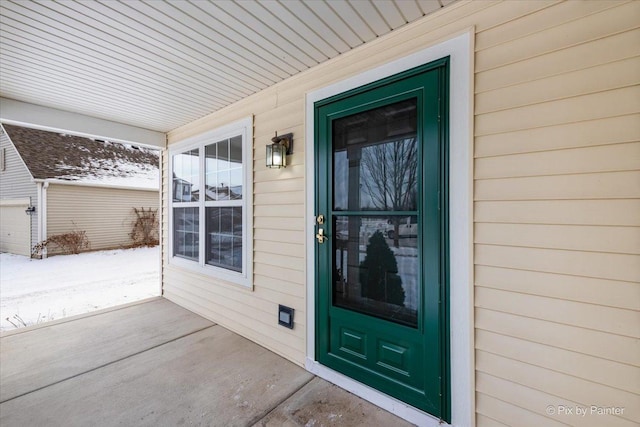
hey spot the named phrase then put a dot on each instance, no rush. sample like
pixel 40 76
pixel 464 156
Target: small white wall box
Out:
pixel 285 316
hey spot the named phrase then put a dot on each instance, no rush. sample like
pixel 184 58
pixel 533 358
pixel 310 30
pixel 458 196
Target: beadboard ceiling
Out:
pixel 161 64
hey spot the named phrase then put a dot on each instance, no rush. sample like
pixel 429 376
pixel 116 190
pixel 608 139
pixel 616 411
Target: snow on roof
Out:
pixel 51 155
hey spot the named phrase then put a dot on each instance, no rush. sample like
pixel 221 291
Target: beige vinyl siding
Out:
pixel 556 205
pixel 557 189
pixel 106 214
pixel 16 183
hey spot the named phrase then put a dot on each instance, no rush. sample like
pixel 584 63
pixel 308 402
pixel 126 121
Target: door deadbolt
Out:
pixel 320 219
pixel 321 237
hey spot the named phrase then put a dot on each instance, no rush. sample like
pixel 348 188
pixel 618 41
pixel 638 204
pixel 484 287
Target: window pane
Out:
pixel 210 166
pixel 223 185
pixel 223 154
pixel 224 237
pixel 375 159
pixel 235 184
pixel 186 170
pixel 235 166
pixel 186 229
pixel 224 169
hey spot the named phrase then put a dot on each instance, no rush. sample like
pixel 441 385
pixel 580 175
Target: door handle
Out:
pixel 321 237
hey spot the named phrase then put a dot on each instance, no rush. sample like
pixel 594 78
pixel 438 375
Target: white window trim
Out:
pixel 244 128
pixel 460 49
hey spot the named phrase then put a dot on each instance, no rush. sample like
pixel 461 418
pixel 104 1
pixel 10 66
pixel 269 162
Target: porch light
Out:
pixel 278 151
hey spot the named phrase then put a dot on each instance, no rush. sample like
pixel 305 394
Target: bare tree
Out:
pixel 389 172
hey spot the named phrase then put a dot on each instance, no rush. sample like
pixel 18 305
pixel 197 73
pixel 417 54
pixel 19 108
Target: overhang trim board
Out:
pixel 51 119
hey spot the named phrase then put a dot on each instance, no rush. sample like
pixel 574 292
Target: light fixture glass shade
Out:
pixel 276 155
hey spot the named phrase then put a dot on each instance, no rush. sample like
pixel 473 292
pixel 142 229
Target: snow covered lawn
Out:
pixel 65 285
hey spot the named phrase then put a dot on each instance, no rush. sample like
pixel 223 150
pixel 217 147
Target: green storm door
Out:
pixel 381 242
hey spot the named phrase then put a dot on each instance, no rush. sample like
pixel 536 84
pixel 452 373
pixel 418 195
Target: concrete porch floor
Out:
pixel 157 364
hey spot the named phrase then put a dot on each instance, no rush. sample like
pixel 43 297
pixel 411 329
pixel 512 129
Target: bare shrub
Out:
pixel 69 243
pixel 18 322
pixel 145 227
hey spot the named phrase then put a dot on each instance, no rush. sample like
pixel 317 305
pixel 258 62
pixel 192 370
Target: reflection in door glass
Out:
pixel 375 169
pixel 376 266
pixel 375 159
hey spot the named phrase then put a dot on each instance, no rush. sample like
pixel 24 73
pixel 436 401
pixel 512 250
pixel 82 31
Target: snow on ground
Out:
pixel 65 285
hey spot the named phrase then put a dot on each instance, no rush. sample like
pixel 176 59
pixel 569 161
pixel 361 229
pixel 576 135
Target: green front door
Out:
pixel 381 242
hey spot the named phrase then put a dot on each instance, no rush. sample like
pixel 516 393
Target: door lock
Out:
pixel 320 219
pixel 321 237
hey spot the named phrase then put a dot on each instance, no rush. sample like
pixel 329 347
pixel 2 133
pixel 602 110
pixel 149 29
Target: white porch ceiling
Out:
pixel 161 64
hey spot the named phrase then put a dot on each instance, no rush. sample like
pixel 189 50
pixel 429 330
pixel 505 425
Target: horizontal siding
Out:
pixel 610 185
pixel 616 102
pixel 553 383
pixel 599 159
pixel 613 75
pixel 529 401
pixel 556 202
pixel 622 240
pixel 587 264
pixel 612 374
pixel 488 422
pixel 557 224
pixel 16 183
pixel 599 20
pixel 106 214
pixel 589 316
pixel 549 16
pixel 597 212
pixel 607 131
pixel 606 292
pixel 613 47
pixel 504 412
pixel 280 211
pixel 600 344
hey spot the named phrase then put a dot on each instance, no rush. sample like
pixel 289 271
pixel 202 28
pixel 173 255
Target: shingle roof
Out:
pixel 53 155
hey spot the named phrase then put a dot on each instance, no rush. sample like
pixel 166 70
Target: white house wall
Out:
pixel 556 202
pixel 16 182
pixel 106 214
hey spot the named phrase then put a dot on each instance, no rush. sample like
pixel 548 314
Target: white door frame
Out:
pixel 460 49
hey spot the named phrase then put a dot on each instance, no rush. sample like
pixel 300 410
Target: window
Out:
pixel 210 227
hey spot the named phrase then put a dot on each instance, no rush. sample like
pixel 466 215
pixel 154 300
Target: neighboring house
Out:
pixel 52 183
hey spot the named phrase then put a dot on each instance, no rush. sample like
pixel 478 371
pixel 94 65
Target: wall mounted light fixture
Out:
pixel 278 151
pixel 30 210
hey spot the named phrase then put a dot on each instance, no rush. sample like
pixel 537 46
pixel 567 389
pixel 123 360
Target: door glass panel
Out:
pixel 375 159
pixel 375 169
pixel 376 266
